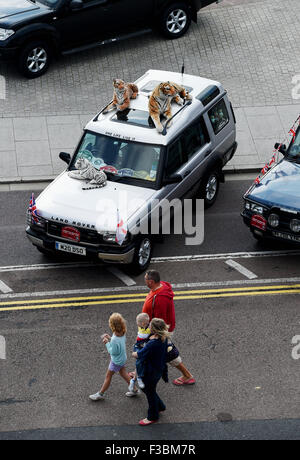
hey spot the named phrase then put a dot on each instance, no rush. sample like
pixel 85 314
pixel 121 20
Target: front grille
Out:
pixel 86 235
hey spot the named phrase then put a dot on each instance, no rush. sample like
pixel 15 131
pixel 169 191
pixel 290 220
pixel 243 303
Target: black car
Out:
pixel 33 31
pixel 272 205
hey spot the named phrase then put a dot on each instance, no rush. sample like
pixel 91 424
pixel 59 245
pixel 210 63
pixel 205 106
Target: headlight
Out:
pixel 5 34
pixel 257 208
pixel 273 220
pixel 295 225
pixel 28 218
pixel 254 207
pixel 39 222
pixel 109 237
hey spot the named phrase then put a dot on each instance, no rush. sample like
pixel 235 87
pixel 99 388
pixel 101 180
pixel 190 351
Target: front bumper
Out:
pixel 271 233
pixel 116 254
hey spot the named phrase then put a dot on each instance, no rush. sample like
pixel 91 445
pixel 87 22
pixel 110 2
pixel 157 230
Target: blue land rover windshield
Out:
pixel 293 152
pixel 49 2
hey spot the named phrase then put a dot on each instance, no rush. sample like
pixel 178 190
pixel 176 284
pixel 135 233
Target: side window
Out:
pixel 176 157
pixel 194 138
pixel 219 116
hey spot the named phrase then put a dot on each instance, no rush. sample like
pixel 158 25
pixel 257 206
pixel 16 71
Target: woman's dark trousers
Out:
pixel 156 405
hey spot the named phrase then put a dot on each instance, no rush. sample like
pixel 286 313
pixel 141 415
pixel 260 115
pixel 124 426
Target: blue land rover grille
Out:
pixel 285 218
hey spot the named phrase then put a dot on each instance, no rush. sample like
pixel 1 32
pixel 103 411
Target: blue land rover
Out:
pixel 272 205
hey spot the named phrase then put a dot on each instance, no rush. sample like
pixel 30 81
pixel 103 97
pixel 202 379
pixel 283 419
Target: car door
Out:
pixel 123 15
pixel 80 25
pixel 100 19
pixel 188 156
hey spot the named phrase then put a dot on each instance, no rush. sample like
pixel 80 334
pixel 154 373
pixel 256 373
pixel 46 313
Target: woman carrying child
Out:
pixel 153 355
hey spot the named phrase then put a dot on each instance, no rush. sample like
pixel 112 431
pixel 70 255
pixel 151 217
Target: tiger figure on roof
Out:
pixel 161 99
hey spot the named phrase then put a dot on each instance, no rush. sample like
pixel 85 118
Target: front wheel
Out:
pixel 175 20
pixel 142 255
pixel 34 59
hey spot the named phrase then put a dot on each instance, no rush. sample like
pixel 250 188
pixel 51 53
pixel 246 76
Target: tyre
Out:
pixel 175 20
pixel 210 188
pixel 34 59
pixel 142 255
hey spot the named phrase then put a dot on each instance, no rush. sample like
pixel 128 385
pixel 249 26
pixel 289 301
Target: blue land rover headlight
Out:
pixel 273 220
pixel 295 225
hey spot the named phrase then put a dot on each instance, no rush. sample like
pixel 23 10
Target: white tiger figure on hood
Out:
pixel 86 171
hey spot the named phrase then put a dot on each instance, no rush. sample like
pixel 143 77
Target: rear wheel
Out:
pixel 175 20
pixel 210 188
pixel 34 59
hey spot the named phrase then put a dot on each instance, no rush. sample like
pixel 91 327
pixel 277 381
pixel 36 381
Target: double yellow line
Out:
pixel 68 302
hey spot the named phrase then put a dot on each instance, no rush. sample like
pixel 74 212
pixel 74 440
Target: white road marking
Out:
pixel 244 271
pixel 122 276
pixel 190 258
pixel 2 347
pixel 4 288
pixel 175 286
pixel 57 266
pixel 230 255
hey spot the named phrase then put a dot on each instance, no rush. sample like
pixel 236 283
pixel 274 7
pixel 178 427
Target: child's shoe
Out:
pixel 140 383
pixel 97 396
pixel 131 385
pixel 131 394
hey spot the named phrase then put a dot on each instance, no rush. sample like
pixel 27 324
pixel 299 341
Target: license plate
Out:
pixel 286 236
pixel 70 248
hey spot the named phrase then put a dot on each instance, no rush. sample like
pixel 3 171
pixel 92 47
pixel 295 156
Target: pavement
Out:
pixel 248 45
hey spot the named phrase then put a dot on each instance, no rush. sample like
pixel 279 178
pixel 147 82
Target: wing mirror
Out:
pixel 76 5
pixel 282 148
pixel 66 157
pixel 173 179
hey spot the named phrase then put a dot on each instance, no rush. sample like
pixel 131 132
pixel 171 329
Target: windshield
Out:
pixel 294 148
pixel 49 2
pixel 120 158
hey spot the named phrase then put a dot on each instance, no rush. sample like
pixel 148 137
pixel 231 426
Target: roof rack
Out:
pixel 101 111
pixel 189 102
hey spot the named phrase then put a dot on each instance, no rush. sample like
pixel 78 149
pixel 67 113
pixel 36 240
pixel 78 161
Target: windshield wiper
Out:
pixel 293 159
pixel 115 177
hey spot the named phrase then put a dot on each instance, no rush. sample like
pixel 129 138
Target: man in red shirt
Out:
pixel 160 304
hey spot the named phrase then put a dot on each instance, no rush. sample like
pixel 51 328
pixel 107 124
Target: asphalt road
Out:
pixel 234 332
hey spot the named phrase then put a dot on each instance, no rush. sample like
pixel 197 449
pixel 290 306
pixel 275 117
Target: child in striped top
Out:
pixel 143 323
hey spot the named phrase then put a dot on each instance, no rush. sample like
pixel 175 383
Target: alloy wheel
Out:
pixel 144 252
pixel 211 188
pixel 176 21
pixel 37 60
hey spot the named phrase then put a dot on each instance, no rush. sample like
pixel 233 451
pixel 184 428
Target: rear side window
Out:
pixel 194 138
pixel 176 157
pixel 219 116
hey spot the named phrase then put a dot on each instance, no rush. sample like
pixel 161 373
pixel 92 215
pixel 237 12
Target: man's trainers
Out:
pixel 97 396
pixel 133 393
pixel 140 383
pixel 131 385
